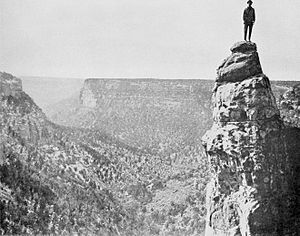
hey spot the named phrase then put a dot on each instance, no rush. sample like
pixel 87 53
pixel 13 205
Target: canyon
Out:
pixel 127 157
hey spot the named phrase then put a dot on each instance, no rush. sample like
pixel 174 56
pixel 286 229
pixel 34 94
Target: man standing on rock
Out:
pixel 249 19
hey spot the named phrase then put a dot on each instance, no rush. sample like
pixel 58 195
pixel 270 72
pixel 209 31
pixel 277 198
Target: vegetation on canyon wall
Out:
pixel 113 178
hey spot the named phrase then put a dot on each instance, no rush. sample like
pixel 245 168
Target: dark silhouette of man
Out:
pixel 249 19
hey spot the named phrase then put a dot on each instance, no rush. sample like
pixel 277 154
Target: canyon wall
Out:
pixel 162 115
pixel 156 114
pixel 254 158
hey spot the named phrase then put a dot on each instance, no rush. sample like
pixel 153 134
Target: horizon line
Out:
pixel 134 78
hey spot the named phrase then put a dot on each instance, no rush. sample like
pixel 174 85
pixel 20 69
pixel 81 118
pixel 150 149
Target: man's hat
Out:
pixel 249 1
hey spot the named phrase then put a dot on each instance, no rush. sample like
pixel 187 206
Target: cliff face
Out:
pixel 254 163
pixel 15 103
pixel 87 97
pixel 100 92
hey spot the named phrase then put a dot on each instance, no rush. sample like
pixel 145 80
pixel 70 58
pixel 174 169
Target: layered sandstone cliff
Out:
pixel 254 158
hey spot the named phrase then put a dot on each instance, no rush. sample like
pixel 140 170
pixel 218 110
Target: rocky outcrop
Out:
pixel 241 64
pixel 9 85
pixel 289 105
pixel 254 163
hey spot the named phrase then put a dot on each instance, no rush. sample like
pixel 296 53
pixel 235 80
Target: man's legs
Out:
pixel 250 31
pixel 245 31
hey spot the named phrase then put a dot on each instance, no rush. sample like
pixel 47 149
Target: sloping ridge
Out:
pixel 61 180
pixel 253 156
pixel 53 179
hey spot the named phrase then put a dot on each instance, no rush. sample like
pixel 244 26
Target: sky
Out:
pixel 143 38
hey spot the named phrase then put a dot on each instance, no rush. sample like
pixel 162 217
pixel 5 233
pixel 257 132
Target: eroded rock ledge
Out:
pixel 9 85
pixel 253 160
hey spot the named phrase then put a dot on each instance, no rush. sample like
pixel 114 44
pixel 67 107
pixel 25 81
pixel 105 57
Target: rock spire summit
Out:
pixel 241 64
pixel 252 190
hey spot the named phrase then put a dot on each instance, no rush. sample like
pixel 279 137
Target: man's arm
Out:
pixel 244 16
pixel 253 15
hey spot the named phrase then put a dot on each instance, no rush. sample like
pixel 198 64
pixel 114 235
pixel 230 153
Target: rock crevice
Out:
pixel 252 190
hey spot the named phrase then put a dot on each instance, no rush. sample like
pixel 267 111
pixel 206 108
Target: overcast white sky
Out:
pixel 143 38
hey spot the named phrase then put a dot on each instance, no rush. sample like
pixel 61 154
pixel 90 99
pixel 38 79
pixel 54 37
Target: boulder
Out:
pixel 240 65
